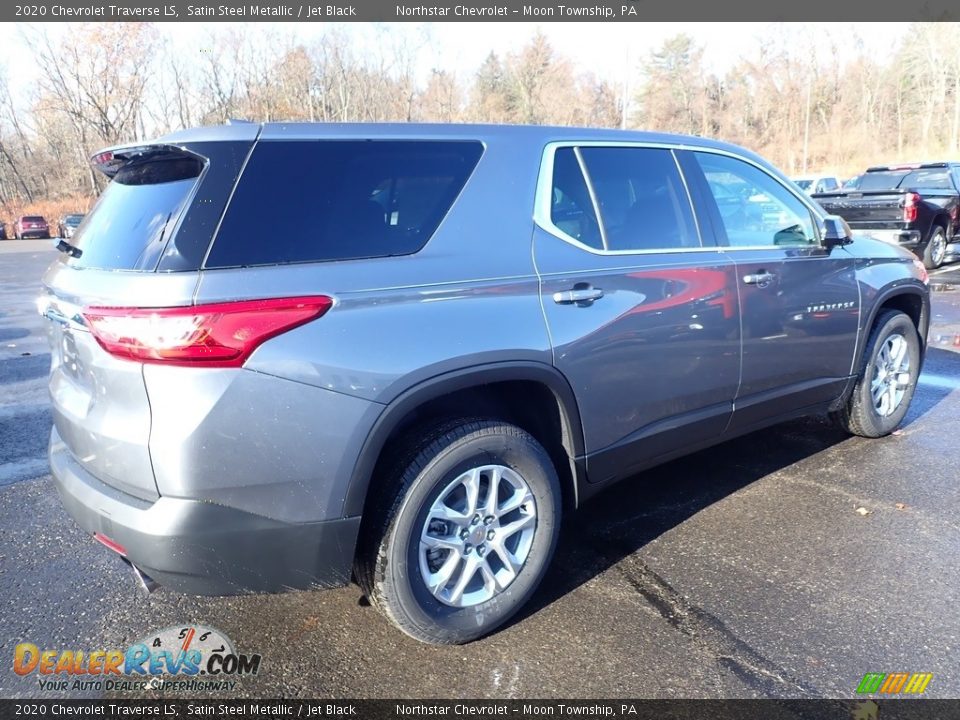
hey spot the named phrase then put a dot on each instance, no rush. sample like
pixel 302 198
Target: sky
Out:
pixel 605 48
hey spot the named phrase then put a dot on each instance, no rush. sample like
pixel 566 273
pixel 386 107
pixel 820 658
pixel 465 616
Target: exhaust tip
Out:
pixel 146 582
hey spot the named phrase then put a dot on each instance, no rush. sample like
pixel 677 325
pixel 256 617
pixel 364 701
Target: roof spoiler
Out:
pixel 111 160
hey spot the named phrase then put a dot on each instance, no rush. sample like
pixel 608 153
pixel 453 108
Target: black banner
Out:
pixel 482 10
pixel 868 709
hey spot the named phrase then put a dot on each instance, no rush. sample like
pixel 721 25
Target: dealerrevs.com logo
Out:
pixel 192 657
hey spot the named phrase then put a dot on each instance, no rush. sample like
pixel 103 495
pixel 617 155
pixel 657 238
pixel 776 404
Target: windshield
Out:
pixel 138 208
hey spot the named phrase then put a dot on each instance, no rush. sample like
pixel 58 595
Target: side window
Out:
pixel 571 208
pixel 830 184
pixel 642 201
pixel 755 209
pixel 319 200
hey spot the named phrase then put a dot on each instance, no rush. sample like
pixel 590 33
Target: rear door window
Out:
pixel 641 198
pixel 311 201
pixel 571 209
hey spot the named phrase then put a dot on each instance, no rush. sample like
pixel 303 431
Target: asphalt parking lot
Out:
pixel 742 571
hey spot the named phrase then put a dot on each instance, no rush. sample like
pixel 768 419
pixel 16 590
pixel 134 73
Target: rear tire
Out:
pixel 887 380
pixel 935 249
pixel 445 568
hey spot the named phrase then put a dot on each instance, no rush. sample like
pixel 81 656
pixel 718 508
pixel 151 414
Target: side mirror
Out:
pixel 836 232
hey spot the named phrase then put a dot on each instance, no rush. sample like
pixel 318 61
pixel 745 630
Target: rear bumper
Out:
pixel 904 238
pixel 203 548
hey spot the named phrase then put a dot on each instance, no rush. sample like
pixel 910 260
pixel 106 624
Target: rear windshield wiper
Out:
pixel 71 250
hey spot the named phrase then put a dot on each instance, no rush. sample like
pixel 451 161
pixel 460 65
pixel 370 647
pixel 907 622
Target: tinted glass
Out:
pixel 643 202
pixel 804 184
pixel 930 179
pixel 136 212
pixel 923 178
pixel 885 180
pixel 32 218
pixel 571 209
pixel 754 208
pixel 309 201
pixel 829 184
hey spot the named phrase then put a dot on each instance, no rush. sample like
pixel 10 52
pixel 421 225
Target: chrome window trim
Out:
pixel 543 198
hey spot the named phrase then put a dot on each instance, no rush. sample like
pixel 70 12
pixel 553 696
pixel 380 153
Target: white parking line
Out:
pixel 940 381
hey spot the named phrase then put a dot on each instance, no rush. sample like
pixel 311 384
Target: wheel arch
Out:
pixel 942 220
pixel 398 412
pixel 910 299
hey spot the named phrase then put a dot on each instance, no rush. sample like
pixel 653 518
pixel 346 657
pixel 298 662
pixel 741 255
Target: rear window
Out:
pixel 159 212
pixel 886 180
pixel 32 218
pixel 929 178
pixel 310 201
pixel 135 213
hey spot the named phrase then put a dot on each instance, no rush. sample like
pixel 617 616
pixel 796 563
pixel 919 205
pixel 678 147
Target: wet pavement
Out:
pixel 787 563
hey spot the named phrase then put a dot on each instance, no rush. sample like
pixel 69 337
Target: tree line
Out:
pixel 838 108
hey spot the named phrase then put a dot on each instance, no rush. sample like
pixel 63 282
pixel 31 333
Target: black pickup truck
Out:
pixel 911 205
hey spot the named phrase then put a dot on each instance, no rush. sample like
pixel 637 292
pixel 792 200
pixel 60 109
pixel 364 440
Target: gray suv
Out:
pixel 288 355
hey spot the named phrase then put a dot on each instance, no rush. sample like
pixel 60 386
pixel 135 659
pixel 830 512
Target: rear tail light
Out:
pixel 217 335
pixel 910 203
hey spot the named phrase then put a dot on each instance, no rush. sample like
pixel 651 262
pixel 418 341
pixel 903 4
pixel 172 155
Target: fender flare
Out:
pixel 882 297
pixel 462 379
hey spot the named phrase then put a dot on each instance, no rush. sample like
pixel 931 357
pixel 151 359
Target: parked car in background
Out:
pixel 31 226
pixel 817 183
pixel 416 390
pixel 3 230
pixel 68 224
pixel 914 205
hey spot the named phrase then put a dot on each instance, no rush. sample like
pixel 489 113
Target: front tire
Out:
pixel 888 378
pixel 461 530
pixel 936 249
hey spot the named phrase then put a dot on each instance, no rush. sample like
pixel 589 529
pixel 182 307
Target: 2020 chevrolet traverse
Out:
pixel 445 339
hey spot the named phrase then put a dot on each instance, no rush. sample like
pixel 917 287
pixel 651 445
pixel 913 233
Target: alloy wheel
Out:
pixel 477 536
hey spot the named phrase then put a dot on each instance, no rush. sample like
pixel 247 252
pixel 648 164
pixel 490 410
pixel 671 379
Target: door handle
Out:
pixel 580 295
pixel 760 279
